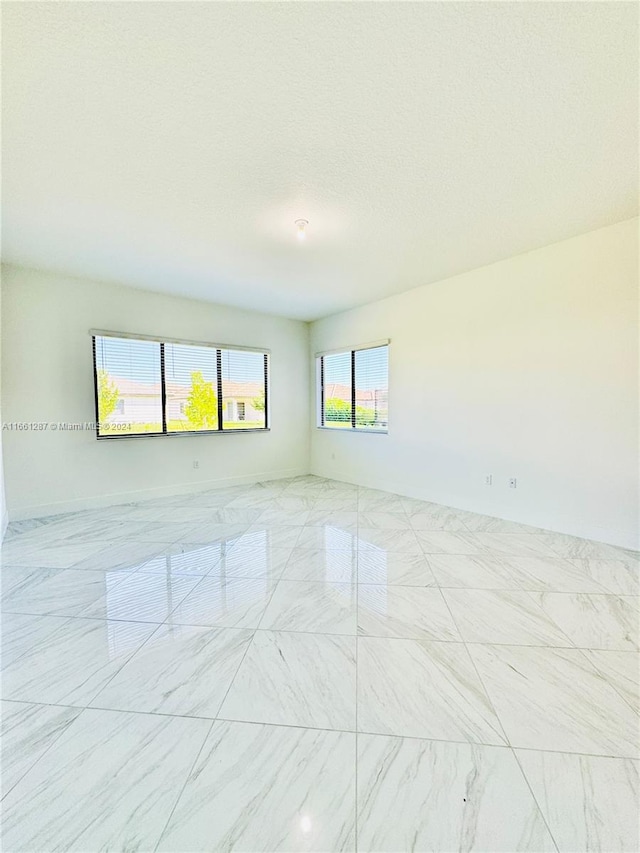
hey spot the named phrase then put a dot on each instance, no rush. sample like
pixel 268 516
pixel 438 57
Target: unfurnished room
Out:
pixel 319 446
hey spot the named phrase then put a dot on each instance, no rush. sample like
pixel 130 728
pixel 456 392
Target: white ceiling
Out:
pixel 170 146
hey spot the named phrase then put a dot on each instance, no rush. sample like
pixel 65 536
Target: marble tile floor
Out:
pixel 305 665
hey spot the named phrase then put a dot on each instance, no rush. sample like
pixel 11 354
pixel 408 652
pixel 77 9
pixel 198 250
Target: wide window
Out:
pixel 353 389
pixel 154 387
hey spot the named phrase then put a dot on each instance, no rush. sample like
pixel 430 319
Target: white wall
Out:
pixel 4 515
pixel 527 368
pixel 48 376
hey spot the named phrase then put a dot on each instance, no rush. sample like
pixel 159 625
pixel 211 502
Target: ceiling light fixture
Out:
pixel 302 224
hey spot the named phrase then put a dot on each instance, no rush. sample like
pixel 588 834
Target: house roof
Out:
pixel 176 391
pixel 333 390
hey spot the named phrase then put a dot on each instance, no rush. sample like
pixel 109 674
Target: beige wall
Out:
pixel 48 377
pixel 527 368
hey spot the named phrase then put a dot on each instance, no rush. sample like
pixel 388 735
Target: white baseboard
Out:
pixel 611 536
pixel 99 501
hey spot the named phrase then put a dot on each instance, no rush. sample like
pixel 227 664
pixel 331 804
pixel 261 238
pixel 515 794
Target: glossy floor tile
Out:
pixel 140 597
pixel 296 680
pixel 267 788
pixel 22 633
pixel 108 783
pixel 557 574
pixel 122 555
pixel 443 542
pixel 384 520
pixel 555 699
pixel 466 571
pixel 503 616
pixel 437 518
pixel 379 566
pixel 225 603
pixel 28 731
pixel 318 564
pixel 425 795
pixel 65 555
pixel 614 576
pixel 252 562
pixel 400 541
pixel 516 544
pixel 573 547
pixel 180 670
pixel 54 592
pixel 595 621
pixel 319 608
pixel 327 538
pixel 589 803
pixel 184 558
pixel 417 689
pixel 621 670
pixel 73 661
pixel 306 664
pixel 406 612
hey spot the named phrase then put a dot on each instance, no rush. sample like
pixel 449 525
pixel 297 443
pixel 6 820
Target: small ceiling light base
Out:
pixel 301 224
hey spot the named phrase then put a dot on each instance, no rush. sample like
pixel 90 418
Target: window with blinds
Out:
pixel 244 389
pixel 354 389
pixel 155 387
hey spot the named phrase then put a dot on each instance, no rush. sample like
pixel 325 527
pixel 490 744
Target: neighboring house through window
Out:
pixel 353 389
pixel 146 386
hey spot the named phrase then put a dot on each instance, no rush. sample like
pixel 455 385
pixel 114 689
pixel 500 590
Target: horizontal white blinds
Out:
pixel 191 382
pixel 371 388
pixel 148 387
pixel 101 333
pixel 129 386
pixel 244 390
pixel 354 389
pixel 337 390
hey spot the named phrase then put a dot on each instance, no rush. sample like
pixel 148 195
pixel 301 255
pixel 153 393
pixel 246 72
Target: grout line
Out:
pixel 169 622
pixel 80 711
pixel 104 686
pixel 599 671
pixel 358 549
pixel 232 681
pixel 211 573
pixel 532 597
pixel 469 743
pixel 535 799
pixel 187 777
pixel 504 731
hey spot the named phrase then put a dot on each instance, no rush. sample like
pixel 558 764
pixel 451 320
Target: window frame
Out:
pixel 219 348
pixel 352 428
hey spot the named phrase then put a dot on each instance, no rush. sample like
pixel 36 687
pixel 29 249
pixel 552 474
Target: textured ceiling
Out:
pixel 170 146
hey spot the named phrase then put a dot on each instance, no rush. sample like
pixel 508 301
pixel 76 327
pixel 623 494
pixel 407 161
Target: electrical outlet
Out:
pixel 196 464
pixel 512 482
pixel 488 480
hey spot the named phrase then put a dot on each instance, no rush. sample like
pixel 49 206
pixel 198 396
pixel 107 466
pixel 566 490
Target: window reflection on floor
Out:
pixel 197 561
pixel 372 564
pixel 122 638
pixel 339 540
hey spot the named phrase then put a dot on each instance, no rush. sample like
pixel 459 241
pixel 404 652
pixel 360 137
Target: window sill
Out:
pixel 354 430
pixel 182 434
